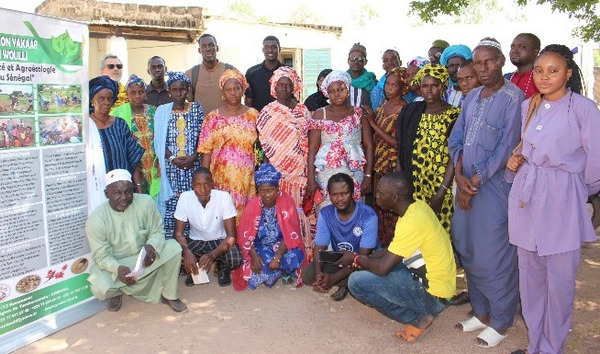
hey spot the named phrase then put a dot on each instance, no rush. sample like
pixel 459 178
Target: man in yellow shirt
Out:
pixel 385 282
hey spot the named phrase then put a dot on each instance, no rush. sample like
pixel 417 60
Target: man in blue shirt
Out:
pixel 346 225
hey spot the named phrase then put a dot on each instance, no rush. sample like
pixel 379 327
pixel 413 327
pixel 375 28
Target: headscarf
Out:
pixel 323 74
pixel 419 62
pixel 458 50
pixel 440 43
pixel 267 174
pixel 99 83
pixel 135 80
pixel 178 76
pixel 233 74
pixel 116 176
pixel 401 73
pixel 290 73
pixel 436 71
pixel 335 76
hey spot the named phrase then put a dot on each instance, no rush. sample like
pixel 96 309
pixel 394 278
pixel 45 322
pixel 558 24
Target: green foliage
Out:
pixel 304 15
pixel 365 15
pixel 246 11
pixel 587 11
pixel 64 45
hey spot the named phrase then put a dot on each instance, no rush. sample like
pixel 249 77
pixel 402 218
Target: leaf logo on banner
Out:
pixel 61 50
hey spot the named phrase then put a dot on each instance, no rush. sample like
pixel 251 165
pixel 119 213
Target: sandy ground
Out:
pixel 290 320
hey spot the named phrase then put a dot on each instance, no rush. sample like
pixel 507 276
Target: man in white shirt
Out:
pixel 211 215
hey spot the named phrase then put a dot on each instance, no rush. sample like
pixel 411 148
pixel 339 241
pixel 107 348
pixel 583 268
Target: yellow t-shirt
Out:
pixel 419 228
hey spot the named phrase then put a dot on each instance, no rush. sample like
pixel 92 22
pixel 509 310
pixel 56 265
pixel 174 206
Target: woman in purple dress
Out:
pixel 557 168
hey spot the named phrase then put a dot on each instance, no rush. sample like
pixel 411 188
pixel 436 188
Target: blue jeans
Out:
pixel 397 295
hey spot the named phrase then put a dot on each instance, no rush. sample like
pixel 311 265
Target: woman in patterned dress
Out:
pixel 140 119
pixel 178 126
pixel 423 131
pixel 336 139
pixel 227 140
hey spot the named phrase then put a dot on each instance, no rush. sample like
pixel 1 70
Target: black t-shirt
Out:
pixel 315 101
pixel 156 97
pixel 259 88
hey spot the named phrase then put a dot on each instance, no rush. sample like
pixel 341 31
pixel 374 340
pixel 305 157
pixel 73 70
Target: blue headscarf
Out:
pixel 99 83
pixel 267 174
pixel 135 80
pixel 175 76
pixel 458 50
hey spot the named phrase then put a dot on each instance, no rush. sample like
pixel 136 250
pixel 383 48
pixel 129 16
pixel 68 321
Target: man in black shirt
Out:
pixel 157 92
pixel 258 93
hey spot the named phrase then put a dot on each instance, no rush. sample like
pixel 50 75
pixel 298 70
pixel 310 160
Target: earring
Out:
pixel 222 98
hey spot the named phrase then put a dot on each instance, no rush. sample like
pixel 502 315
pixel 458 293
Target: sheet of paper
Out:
pixel 201 277
pixel 139 265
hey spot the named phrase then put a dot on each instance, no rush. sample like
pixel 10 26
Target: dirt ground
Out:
pixel 290 320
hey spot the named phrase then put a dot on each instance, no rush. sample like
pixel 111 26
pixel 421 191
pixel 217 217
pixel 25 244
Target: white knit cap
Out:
pixel 117 175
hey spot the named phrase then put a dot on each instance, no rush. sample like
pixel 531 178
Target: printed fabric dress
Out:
pixel 230 142
pixel 340 150
pixel 430 158
pixel 267 242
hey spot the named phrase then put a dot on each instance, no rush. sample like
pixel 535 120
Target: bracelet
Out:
pixel 171 158
pixel 368 175
pixel 354 262
pixel 446 188
pixel 276 259
pixel 138 184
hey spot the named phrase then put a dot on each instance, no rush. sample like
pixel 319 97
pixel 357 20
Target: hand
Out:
pixel 311 187
pixel 275 264
pixel 122 272
pixel 476 181
pixel 463 199
pixel 323 282
pixel 150 256
pixel 366 186
pixel 206 261
pixel 436 202
pixel 464 184
pixel 367 112
pixel 346 260
pixel 256 263
pixel 188 161
pixel 515 162
pixel 189 262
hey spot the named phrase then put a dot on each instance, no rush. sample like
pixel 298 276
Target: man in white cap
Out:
pixel 117 231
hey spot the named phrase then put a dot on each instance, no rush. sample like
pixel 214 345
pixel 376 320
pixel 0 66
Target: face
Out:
pixel 340 196
pixel 178 92
pixel 208 48
pixel 393 86
pixel 390 61
pixel 383 196
pixel 268 194
pixel 270 50
pixel 431 89
pixel 113 68
pixel 411 71
pixel 550 74
pixel 453 64
pixel 522 51
pixel 232 91
pixel 157 69
pixel 434 54
pixel 119 195
pixel 136 95
pixel 284 89
pixel 357 62
pixel 103 101
pixel 338 93
pixel 202 184
pixel 467 80
pixel 488 63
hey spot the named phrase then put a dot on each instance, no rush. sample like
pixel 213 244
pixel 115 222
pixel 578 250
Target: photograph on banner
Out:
pixel 59 99
pixel 16 99
pixel 60 130
pixel 17 132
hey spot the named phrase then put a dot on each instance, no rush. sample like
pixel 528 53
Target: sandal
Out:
pixel 491 337
pixel 410 333
pixel 472 324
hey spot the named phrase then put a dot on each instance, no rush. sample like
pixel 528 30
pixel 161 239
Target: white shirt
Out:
pixel 206 223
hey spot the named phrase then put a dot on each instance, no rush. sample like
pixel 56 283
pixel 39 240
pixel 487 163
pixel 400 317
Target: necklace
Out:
pixel 100 120
pixel 177 111
pixel 529 77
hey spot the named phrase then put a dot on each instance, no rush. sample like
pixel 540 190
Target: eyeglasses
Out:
pixel 112 66
pixel 358 60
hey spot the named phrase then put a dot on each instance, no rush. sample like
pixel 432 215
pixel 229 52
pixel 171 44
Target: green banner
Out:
pixel 38 304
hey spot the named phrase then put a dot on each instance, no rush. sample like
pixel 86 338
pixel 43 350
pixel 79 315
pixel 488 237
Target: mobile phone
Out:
pixel 329 256
pixel 318 197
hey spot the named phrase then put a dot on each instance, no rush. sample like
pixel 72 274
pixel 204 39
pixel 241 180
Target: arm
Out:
pixel 137 179
pixel 276 262
pixel 228 242
pixel 385 136
pixel 189 259
pixel 102 251
pixel 367 141
pixel 314 143
pixel 206 160
pixel 436 201
pixel 381 265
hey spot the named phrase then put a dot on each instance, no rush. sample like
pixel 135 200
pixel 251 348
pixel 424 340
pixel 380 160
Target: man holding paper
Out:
pixel 118 230
pixel 211 214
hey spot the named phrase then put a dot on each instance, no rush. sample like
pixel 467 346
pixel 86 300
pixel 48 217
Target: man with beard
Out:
pixel 523 51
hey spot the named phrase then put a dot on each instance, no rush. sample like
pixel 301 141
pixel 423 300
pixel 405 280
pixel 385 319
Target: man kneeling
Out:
pixel 117 231
pixel 386 283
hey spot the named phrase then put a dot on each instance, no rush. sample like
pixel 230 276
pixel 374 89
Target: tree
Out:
pixel 304 15
pixel 587 11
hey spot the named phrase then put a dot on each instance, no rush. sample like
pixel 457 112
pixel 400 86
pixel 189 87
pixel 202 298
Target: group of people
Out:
pixel 16 135
pixel 378 188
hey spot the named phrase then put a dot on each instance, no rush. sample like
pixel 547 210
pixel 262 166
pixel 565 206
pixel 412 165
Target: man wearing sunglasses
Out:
pixel 112 67
pixel 363 81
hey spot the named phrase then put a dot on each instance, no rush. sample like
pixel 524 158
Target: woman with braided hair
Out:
pixel 557 166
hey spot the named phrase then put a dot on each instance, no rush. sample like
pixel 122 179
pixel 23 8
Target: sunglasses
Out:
pixel 112 66
pixel 358 60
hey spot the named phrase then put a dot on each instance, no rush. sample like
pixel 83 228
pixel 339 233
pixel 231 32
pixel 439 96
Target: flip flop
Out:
pixel 491 337
pixel 410 333
pixel 472 324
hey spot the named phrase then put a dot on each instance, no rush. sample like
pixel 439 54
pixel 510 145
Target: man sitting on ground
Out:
pixel 346 225
pixel 117 231
pixel 386 283
pixel 211 215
